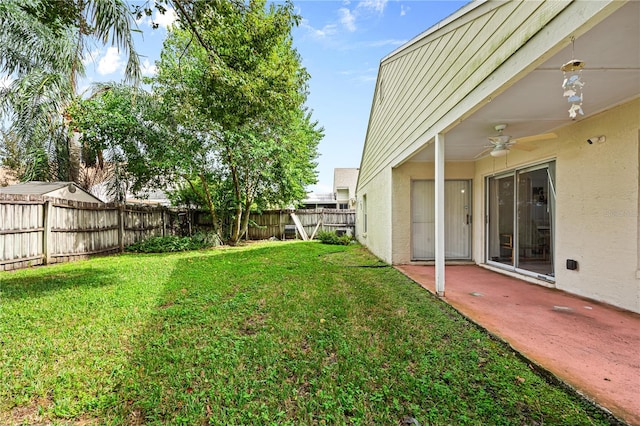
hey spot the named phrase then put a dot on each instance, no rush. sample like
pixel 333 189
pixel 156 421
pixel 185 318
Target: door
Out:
pixel 457 195
pixel 520 224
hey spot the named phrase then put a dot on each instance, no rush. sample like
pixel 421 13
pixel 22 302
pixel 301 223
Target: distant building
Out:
pixel 343 195
pixel 344 187
pixel 63 190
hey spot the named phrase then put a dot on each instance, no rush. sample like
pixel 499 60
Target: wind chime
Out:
pixel 573 83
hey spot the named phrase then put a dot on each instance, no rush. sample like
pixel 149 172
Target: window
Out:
pixel 364 214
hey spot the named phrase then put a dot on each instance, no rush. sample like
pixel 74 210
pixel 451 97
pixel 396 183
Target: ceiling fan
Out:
pixel 501 144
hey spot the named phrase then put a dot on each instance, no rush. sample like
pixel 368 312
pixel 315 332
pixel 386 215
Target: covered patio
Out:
pixel 590 346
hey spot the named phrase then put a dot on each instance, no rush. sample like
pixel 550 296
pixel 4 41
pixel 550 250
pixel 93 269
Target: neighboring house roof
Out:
pixel 64 190
pixel 155 196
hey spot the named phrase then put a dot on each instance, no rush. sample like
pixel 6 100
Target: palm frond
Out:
pixel 27 43
pixel 113 23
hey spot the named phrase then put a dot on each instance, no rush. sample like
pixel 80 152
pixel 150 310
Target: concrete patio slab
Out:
pixel 592 347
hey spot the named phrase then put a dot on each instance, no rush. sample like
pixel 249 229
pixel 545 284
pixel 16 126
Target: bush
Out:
pixel 328 237
pixel 173 243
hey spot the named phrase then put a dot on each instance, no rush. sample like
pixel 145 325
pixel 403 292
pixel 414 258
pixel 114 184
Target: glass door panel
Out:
pixel 501 219
pixel 534 222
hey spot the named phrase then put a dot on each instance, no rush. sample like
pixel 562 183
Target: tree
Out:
pixel 230 101
pixel 42 44
pixel 234 71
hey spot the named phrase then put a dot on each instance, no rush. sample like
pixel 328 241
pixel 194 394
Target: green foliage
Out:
pixel 278 333
pixel 231 76
pixel 42 46
pixel 173 243
pixel 123 126
pixel 226 123
pixel 331 237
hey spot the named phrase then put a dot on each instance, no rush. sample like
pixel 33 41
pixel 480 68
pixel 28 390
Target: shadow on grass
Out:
pixel 52 281
pixel 207 348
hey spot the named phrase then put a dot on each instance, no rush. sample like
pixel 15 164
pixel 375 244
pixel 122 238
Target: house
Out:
pixel 507 135
pixel 64 190
pixel 343 195
pixel 344 186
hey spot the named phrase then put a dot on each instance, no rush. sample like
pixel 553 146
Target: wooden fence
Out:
pixel 272 223
pixel 36 230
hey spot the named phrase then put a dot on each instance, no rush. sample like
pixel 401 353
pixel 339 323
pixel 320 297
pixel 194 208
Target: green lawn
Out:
pixel 274 333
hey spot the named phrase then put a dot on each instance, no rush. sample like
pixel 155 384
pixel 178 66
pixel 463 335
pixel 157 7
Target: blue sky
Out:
pixel 341 43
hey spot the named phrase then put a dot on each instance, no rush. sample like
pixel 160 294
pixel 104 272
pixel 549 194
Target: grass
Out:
pixel 277 333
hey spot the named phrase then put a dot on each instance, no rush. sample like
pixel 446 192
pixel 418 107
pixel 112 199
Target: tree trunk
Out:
pixel 245 218
pixel 237 221
pixel 209 201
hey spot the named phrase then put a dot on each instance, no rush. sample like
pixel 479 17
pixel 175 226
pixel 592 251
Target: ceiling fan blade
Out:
pixel 522 147
pixel 533 138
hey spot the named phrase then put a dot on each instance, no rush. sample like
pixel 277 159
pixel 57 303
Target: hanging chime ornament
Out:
pixel 573 83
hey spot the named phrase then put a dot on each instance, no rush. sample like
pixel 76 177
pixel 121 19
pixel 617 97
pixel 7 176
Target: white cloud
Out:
pixel 90 57
pixel 404 10
pixel 162 20
pixel 148 68
pixel 165 20
pixel 319 33
pixel 347 19
pixel 110 62
pixel 373 5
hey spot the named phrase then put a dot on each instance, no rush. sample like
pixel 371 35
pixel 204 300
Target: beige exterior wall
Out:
pixel 597 204
pixel 401 204
pixel 344 185
pixel 377 237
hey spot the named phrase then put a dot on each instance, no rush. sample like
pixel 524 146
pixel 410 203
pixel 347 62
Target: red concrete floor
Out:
pixel 593 347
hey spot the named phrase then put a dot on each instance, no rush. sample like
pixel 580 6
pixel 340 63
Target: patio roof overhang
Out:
pixel 534 104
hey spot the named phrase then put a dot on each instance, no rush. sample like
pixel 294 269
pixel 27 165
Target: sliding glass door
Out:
pixel 520 217
pixel 501 219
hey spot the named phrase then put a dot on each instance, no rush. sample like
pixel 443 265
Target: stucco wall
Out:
pixel 378 236
pixel 401 206
pixel 597 204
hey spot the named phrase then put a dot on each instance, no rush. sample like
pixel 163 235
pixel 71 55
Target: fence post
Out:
pixel 121 228
pixel 47 243
pixel 163 211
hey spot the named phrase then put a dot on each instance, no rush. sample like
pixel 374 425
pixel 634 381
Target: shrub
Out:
pixel 329 237
pixel 173 243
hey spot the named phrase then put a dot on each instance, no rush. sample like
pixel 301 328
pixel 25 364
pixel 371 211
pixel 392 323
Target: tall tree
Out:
pixel 230 103
pixel 42 45
pixel 233 69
